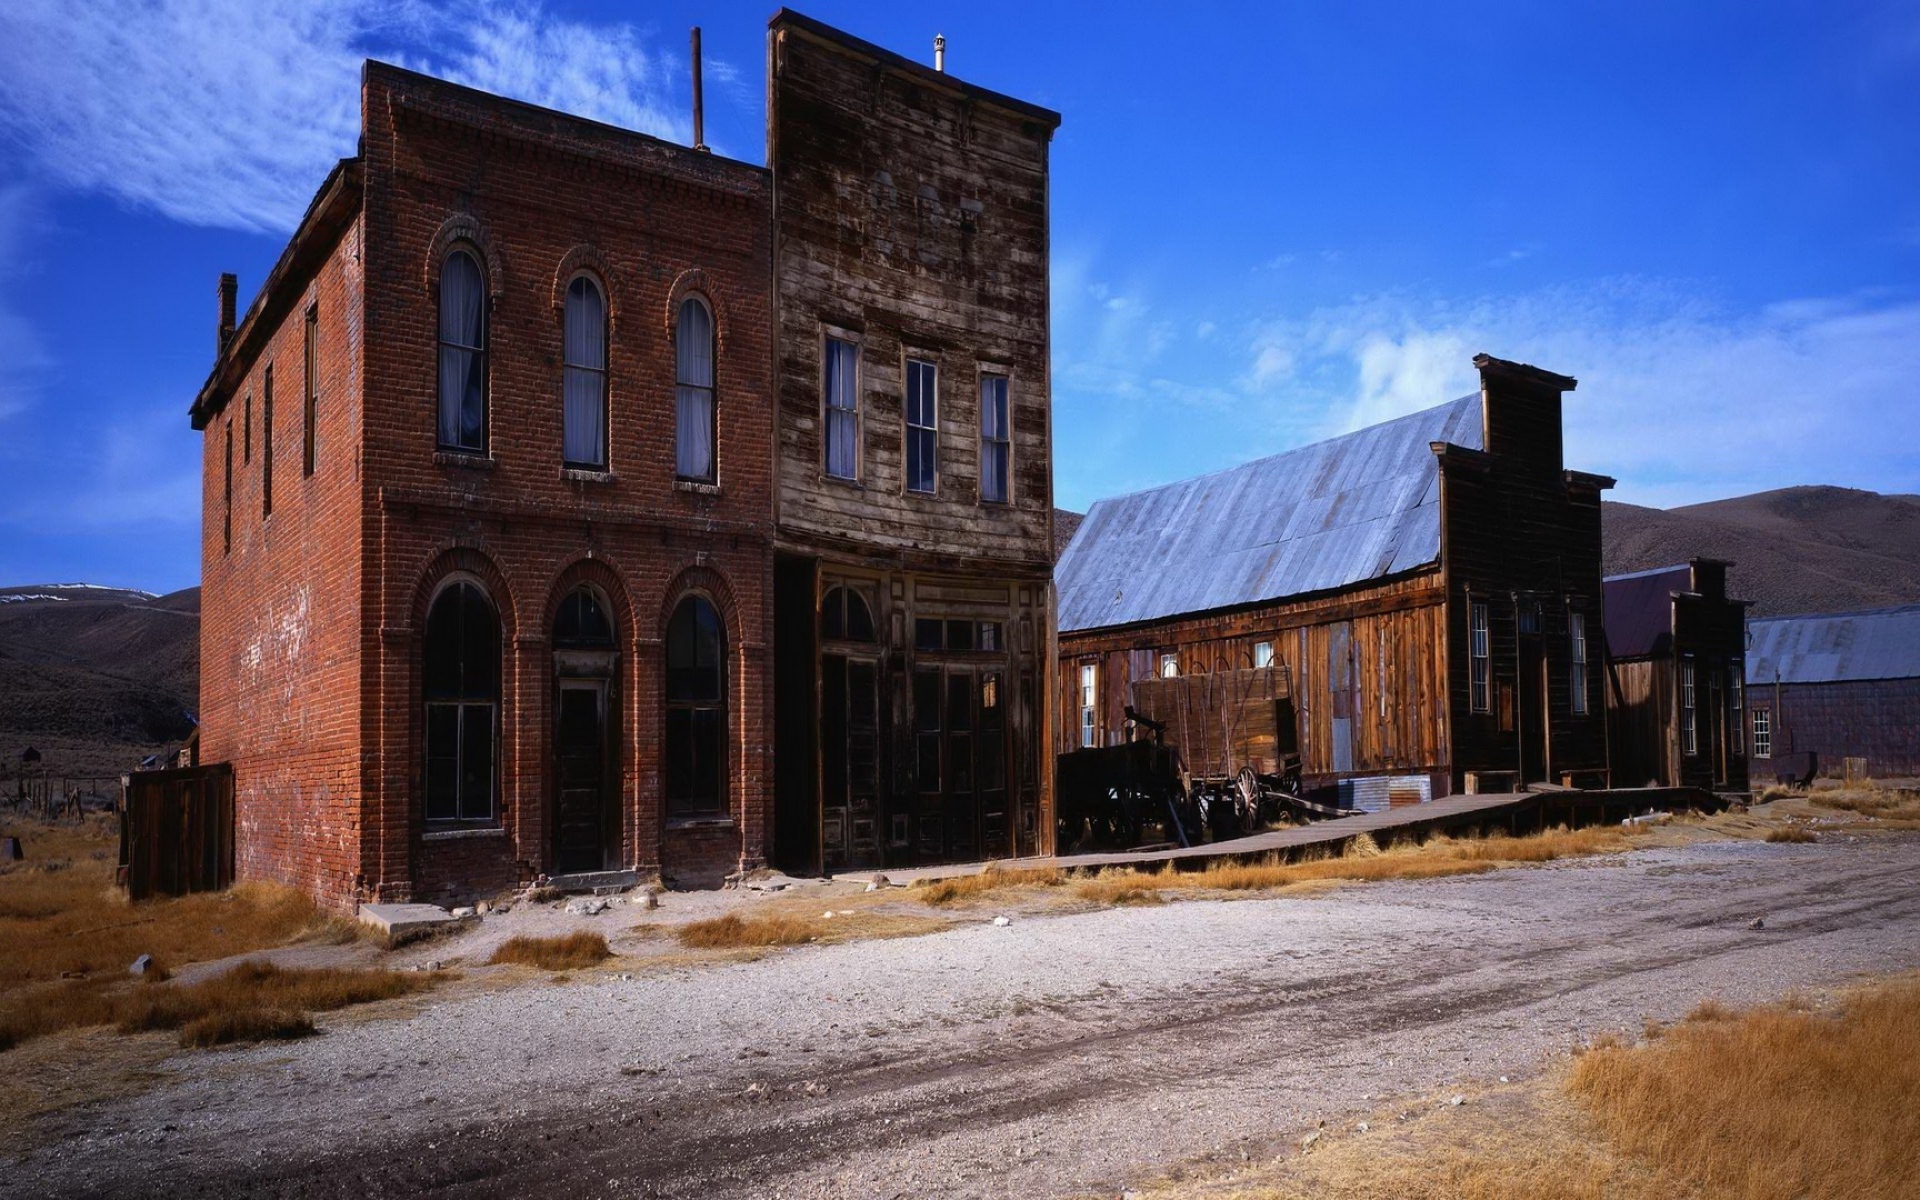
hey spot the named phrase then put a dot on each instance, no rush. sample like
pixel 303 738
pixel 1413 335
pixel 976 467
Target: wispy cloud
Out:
pixel 1680 400
pixel 228 112
pixel 23 359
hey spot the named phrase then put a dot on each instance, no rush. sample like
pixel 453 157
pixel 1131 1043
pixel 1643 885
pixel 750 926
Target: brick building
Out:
pixel 1429 587
pixel 498 465
pixel 1836 686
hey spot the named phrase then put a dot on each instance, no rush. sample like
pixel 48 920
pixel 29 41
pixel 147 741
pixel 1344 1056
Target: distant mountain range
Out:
pixel 1795 550
pixel 96 678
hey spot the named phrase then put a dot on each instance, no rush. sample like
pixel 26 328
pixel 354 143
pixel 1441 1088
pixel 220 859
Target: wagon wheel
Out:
pixel 1248 785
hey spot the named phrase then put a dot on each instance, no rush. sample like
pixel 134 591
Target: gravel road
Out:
pixel 1064 1055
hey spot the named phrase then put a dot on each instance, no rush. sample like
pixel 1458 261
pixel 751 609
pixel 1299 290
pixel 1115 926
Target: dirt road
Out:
pixel 1055 1056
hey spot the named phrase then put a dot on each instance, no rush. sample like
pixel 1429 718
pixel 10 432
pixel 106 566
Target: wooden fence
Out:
pixel 176 831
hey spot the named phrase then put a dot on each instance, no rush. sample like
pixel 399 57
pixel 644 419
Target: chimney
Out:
pixel 940 53
pixel 699 107
pixel 229 285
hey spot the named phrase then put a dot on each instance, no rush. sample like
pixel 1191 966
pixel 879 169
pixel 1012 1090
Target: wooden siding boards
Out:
pixel 1656 621
pixel 1842 685
pixel 1515 530
pixel 911 217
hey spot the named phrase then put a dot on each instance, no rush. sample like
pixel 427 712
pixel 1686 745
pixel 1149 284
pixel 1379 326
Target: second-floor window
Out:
pixel 1577 672
pixel 1689 713
pixel 923 427
pixel 1478 652
pixel 311 408
pixel 996 443
pixel 1737 705
pixel 694 420
pixel 463 355
pixel 266 443
pixel 842 383
pixel 1089 679
pixel 226 535
pixel 583 381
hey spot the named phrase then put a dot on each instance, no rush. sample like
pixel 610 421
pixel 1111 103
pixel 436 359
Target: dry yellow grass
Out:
pixel 569 952
pixel 785 927
pixel 1778 1103
pixel 1897 806
pixel 1790 833
pixel 990 881
pixel 1775 1104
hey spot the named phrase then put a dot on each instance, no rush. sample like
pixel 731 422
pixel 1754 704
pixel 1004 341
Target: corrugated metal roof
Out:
pixel 1329 515
pixel 1880 643
pixel 1639 610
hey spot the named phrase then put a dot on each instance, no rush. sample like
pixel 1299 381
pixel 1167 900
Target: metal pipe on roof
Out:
pixel 940 53
pixel 699 107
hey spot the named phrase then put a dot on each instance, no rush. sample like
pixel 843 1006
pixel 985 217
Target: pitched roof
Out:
pixel 1337 513
pixel 1639 610
pixel 1880 643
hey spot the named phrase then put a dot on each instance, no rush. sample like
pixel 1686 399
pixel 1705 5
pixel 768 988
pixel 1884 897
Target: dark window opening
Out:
pixel 844 616
pixel 266 444
pixel 460 682
pixel 696 710
pixel 312 383
pixel 929 633
pixel 582 623
pixel 463 355
pixel 226 531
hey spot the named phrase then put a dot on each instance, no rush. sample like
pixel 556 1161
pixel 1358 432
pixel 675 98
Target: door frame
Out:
pixel 596 671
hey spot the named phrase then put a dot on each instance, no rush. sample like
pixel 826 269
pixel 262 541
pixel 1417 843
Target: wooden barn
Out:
pixel 1675 661
pixel 1838 686
pixel 1430 587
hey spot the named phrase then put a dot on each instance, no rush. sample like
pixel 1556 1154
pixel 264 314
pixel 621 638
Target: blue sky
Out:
pixel 1272 222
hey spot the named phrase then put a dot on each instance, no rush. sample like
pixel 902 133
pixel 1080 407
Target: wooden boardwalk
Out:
pixel 1513 812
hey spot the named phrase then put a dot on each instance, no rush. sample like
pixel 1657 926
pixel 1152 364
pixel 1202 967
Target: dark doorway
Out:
pixel 586 833
pixel 1535 728
pixel 850 761
pixel 581 835
pixel 796 842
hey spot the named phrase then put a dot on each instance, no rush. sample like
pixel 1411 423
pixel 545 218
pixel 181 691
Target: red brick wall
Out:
pixel 540 196
pixel 279 635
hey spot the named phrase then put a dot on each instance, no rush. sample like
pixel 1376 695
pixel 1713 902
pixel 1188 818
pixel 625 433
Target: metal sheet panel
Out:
pixel 1325 516
pixel 1881 643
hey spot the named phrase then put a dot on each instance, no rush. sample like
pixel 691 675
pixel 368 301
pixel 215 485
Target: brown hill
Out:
pixel 1795 550
pixel 96 678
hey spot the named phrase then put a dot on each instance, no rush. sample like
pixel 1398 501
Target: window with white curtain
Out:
pixel 996 449
pixel 463 354
pixel 583 400
pixel 694 425
pixel 842 383
pixel 1089 690
pixel 1263 654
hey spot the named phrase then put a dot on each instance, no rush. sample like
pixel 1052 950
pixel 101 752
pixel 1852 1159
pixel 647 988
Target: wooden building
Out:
pixel 1675 660
pixel 914 490
pixel 1838 685
pixel 1431 585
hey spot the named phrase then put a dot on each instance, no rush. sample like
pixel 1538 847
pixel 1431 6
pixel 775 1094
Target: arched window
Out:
pixel 696 710
pixel 584 378
pixel 461 684
pixel 844 616
pixel 582 623
pixel 463 354
pixel 693 442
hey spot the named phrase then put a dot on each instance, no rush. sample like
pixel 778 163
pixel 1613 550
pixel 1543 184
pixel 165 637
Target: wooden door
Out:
pixel 582 834
pixel 1340 675
pixel 851 816
pixel 1535 728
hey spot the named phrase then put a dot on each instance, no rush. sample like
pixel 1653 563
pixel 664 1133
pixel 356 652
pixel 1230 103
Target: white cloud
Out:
pixel 23 359
pixel 229 112
pixel 1679 400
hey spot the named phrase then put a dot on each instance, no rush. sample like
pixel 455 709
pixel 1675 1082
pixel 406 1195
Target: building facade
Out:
pixel 914 492
pixel 1838 686
pixel 1430 588
pixel 544 440
pixel 1676 665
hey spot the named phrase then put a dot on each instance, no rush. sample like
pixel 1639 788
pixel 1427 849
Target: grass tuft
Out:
pixel 940 892
pixel 571 952
pixel 733 932
pixel 1790 833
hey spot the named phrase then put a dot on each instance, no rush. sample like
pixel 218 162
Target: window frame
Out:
pixel 830 335
pixel 1737 703
pixel 1260 649
pixel 712 389
pixel 604 371
pixel 1479 657
pixel 464 709
pixel 1689 708
pixel 226 530
pixel 1168 664
pixel 266 443
pixel 484 351
pixel 695 808
pixel 311 389
pixel 1762 719
pixel 930 429
pixel 989 376
pixel 1577 685
pixel 1089 704
pixel 246 432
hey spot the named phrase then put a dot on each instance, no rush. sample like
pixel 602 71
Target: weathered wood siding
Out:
pixel 1641 722
pixel 1393 701
pixel 911 216
pixel 1520 532
pixel 1874 719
